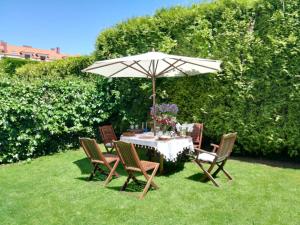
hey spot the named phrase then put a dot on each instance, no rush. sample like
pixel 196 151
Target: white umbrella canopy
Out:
pixel 154 65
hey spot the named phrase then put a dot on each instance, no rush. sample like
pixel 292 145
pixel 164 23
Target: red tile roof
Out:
pixel 51 54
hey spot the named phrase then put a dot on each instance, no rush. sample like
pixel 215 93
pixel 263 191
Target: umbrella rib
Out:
pixel 149 68
pixel 170 68
pixel 121 69
pixel 155 67
pixel 97 67
pixel 137 62
pixel 172 65
pixel 207 67
pixel 134 68
pixel 167 69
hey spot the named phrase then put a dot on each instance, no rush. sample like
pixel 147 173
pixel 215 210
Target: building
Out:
pixel 28 52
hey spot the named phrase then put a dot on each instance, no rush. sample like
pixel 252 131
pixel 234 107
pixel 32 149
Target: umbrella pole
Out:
pixel 153 103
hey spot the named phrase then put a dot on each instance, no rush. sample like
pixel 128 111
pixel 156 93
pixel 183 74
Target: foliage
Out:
pixel 48 105
pixel 46 115
pixel 9 65
pixel 126 99
pixel 257 94
pixel 59 68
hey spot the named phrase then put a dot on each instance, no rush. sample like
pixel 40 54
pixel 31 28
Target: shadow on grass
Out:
pixel 84 165
pixel 132 188
pixel 268 162
pixel 86 168
pixel 97 177
pixel 171 168
pixel 199 177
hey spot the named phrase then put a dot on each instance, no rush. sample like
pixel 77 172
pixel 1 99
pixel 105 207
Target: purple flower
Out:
pixel 164 109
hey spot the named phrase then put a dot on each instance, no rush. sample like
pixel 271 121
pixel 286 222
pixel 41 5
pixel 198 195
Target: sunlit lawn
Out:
pixel 53 190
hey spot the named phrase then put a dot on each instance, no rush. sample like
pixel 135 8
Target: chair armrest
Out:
pixel 215 147
pixel 203 151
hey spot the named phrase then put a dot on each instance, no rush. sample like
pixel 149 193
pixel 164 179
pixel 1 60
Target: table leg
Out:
pixel 161 164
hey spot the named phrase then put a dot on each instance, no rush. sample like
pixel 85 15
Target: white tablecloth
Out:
pixel 169 148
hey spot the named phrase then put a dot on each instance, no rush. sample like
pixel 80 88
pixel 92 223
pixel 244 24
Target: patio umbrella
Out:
pixel 154 65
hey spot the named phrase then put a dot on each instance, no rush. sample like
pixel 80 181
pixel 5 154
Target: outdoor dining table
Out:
pixel 168 149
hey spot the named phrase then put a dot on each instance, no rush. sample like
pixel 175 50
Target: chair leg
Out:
pixel 94 171
pixel 112 172
pixel 207 172
pixel 217 171
pixel 135 180
pixel 155 186
pixel 107 149
pixel 227 174
pixel 126 182
pixel 149 182
pixel 221 167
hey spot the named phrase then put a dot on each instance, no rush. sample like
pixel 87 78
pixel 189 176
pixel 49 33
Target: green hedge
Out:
pixel 257 94
pixel 47 106
pixel 59 68
pixel 127 100
pixel 9 65
pixel 46 115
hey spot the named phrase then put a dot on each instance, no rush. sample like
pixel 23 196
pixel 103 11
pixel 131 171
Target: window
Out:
pixel 27 56
pixel 42 57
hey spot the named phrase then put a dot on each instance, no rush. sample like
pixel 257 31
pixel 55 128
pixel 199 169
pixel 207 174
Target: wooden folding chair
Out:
pixel 132 164
pixel 97 158
pixel 108 135
pixel 218 156
pixel 197 134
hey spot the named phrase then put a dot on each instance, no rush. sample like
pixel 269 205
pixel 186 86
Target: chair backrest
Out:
pixel 107 134
pixel 226 146
pixel 128 155
pixel 197 134
pixel 92 149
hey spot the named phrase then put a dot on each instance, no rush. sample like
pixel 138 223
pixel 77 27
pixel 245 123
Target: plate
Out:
pixel 136 131
pixel 146 137
pixel 164 138
pixel 128 134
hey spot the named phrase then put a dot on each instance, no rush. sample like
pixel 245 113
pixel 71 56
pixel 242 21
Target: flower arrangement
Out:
pixel 165 115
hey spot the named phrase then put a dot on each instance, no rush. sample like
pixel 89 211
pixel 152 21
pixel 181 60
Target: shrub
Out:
pixel 46 115
pixel 59 68
pixel 9 65
pixel 126 99
pixel 255 95
pixel 49 105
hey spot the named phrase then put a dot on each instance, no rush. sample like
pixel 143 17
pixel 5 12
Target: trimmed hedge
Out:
pixel 47 106
pixel 59 68
pixel 257 94
pixel 9 65
pixel 44 116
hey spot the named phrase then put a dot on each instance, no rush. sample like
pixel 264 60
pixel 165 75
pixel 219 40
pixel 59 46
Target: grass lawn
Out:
pixel 53 190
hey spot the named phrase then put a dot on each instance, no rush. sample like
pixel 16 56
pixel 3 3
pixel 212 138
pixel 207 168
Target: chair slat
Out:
pixel 128 154
pixel 197 134
pixel 223 152
pixel 226 145
pixel 108 135
pixel 96 157
pixel 132 163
